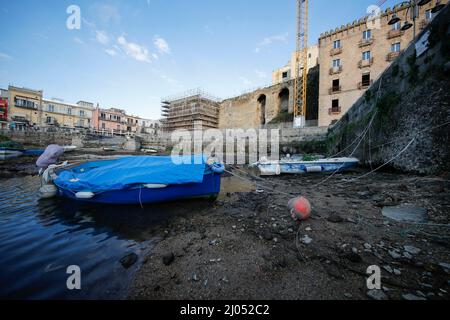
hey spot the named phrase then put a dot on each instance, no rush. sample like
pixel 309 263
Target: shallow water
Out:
pixel 39 239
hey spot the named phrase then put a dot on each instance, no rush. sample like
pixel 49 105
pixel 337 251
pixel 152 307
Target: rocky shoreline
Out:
pixel 245 246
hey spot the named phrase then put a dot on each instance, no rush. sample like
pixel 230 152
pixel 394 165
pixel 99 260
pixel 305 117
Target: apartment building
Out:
pixel 4 97
pixel 24 108
pixel 353 56
pixel 287 72
pixel 66 116
pixel 111 120
pixel 147 126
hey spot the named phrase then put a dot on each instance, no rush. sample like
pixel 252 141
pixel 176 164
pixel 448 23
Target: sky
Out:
pixel 129 54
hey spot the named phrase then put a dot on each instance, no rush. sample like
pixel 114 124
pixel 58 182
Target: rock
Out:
pixel 407 255
pixel 348 295
pixel 397 272
pixel 388 269
pixel 306 239
pixel 168 258
pixel 129 260
pixel 412 297
pixel 335 218
pixel 377 295
pixel 445 266
pixel 412 250
pixel 353 257
pixel 267 235
pixel 394 254
pixel 367 246
pixel 406 213
pixel 195 278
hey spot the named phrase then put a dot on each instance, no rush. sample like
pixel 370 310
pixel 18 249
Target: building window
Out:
pixel 397 26
pixel 335 85
pixel 69 111
pixel 103 126
pixel 366 55
pixel 285 75
pixel 336 44
pixel 48 120
pixel 81 113
pixel 51 108
pixel 428 14
pixel 336 63
pixel 367 35
pixel 23 103
pixel 395 47
pixel 335 104
pixel 365 81
pixel 102 116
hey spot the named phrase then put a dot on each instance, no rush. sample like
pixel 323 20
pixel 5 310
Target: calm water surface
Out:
pixel 39 239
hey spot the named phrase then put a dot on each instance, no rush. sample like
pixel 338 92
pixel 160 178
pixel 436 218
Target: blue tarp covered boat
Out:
pixel 139 180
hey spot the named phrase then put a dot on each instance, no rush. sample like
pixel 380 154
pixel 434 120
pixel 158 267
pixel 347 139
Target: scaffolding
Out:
pixel 194 107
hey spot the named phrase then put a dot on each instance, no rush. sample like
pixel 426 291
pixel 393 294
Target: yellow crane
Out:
pixel 301 65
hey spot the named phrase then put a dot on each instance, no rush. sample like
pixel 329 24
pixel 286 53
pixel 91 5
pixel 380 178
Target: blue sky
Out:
pixel 129 54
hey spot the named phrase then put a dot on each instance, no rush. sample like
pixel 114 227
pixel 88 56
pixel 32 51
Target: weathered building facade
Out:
pixel 353 56
pixel 24 108
pixel 66 116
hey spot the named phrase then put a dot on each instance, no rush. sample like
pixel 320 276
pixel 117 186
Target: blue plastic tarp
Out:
pixel 100 176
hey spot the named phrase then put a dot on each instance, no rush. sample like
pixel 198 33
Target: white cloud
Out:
pixel 107 13
pixel 134 50
pixel 102 37
pixel 78 40
pixel 111 52
pixel 261 74
pixel 5 56
pixel 270 40
pixel 161 45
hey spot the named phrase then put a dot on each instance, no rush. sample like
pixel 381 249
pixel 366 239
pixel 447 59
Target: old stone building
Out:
pixel 353 56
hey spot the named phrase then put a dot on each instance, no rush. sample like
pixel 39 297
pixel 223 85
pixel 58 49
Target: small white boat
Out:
pixel 6 153
pixel 297 166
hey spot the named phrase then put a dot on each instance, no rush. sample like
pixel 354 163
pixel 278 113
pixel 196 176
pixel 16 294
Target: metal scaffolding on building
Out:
pixel 194 107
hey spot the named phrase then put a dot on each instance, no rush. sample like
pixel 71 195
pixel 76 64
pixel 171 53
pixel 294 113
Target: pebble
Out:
pixel 306 239
pixel 377 295
pixel 308 229
pixel 367 246
pixel 168 258
pixel 334 218
pixel 394 254
pixel 412 250
pixel 412 297
pixel 195 277
pixel 129 260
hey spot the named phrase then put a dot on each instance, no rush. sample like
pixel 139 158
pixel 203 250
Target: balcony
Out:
pixel 365 84
pixel 393 55
pixel 365 42
pixel 335 51
pixel 335 70
pixel 334 111
pixel 395 33
pixel 335 89
pixel 365 63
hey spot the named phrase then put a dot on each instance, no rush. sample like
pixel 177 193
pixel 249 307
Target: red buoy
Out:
pixel 300 208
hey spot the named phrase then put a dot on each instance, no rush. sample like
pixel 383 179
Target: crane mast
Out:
pixel 301 65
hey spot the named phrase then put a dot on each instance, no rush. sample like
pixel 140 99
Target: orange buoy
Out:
pixel 300 208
